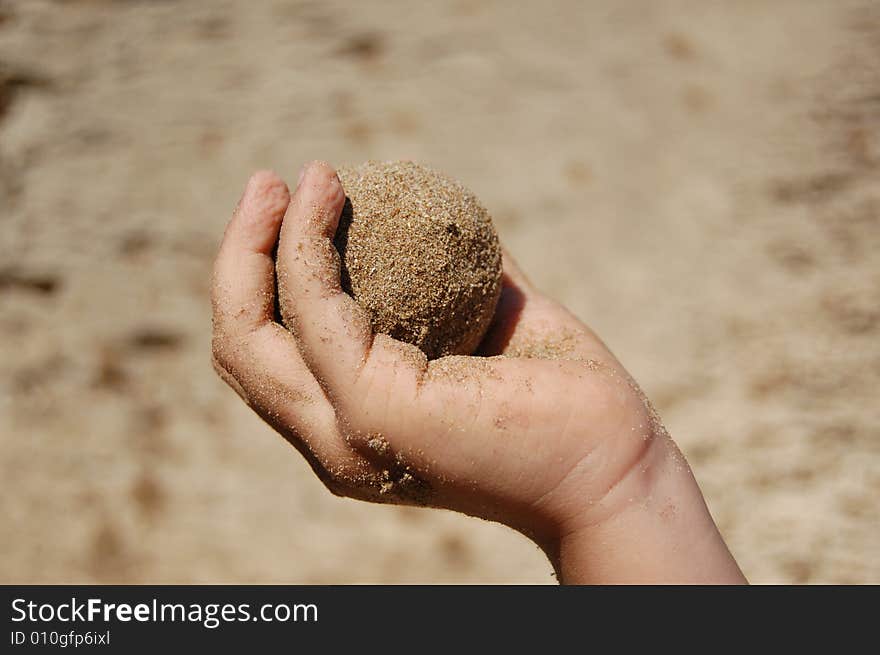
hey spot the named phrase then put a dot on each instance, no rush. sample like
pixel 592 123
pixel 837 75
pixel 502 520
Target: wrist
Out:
pixel 652 526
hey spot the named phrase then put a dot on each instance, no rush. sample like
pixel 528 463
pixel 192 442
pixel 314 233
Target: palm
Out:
pixel 505 428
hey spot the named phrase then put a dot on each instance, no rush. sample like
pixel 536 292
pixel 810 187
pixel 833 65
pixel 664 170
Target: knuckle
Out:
pixel 270 194
pixel 225 352
pixel 266 179
pixel 218 351
pixel 339 481
pixel 336 487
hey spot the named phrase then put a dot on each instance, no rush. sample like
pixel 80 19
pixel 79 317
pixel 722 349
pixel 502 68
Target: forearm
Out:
pixel 662 532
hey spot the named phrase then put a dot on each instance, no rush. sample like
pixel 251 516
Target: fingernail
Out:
pixel 302 174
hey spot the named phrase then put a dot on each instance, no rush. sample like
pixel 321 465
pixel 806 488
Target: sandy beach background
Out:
pixel 697 180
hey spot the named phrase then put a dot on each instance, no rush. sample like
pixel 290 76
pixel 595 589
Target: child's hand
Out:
pixel 544 431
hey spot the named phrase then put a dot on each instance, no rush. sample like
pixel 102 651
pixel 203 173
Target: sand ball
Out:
pixel 420 254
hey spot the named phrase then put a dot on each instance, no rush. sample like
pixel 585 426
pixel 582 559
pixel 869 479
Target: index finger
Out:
pixel 333 330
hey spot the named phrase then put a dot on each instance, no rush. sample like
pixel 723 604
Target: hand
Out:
pixel 543 431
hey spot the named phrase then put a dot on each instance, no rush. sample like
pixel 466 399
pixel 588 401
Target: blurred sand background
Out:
pixel 698 180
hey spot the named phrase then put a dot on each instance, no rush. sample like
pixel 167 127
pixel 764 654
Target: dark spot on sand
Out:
pixel 793 257
pixel 147 432
pixel 94 136
pixel 851 313
pixel 148 495
pixel 135 244
pixel 367 46
pixel 107 554
pixel 454 550
pixel 13 82
pixel 578 173
pixel 211 140
pixel 41 284
pixel 358 132
pixel 195 245
pixel 678 46
pixel 150 418
pixel 799 571
pixel 764 385
pixel 110 373
pixel 155 339
pixel 812 188
pixel 697 98
pixel 34 378
pixel 862 145
pixel 843 436
pixel 213 28
pixel 859 507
